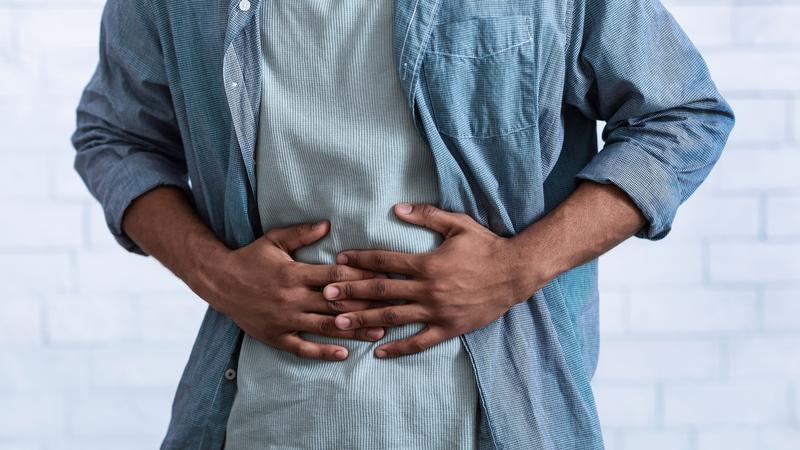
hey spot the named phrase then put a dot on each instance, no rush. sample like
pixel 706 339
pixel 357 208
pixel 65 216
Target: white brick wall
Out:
pixel 702 354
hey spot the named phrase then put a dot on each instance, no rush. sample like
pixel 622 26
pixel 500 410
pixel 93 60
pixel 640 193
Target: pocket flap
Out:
pixel 480 36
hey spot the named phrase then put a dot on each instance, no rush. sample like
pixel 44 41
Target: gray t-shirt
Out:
pixel 336 142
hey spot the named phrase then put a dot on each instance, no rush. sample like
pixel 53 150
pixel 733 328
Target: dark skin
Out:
pixel 475 276
pixel 470 280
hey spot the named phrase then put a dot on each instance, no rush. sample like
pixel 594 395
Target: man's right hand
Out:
pixel 272 297
pixel 268 294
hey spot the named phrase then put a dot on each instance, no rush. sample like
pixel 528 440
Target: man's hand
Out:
pixel 273 297
pixel 267 293
pixel 475 276
pixel 470 280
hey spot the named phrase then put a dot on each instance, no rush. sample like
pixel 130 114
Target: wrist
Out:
pixel 532 263
pixel 205 256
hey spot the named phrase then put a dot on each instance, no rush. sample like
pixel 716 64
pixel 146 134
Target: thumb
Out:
pixel 293 237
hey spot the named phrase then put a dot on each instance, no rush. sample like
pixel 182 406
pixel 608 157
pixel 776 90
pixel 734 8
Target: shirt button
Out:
pixel 244 5
pixel 230 374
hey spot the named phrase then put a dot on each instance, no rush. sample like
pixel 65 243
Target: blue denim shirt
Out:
pixel 506 94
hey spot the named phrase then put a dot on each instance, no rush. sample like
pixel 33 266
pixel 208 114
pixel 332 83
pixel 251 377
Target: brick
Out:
pixel 613 311
pixel 30 415
pixel 133 414
pixel 754 262
pixel 100 237
pixel 40 225
pixel 763 356
pixel 783 216
pixel 637 359
pixel 8 33
pixel 768 24
pixel 729 69
pixel 693 310
pixel 64 75
pixel 727 438
pixel 119 271
pixel 708 216
pixel 20 321
pixel 706 25
pixel 16 79
pixel 625 405
pixel 65 183
pixel 657 440
pixel 775 438
pixel 639 262
pixel 25 118
pixel 23 182
pixel 40 370
pixel 124 443
pixel 170 318
pixel 759 122
pixel 755 171
pixel 138 367
pixel 20 445
pixel 713 403
pixel 782 309
pixel 89 319
pixel 796 122
pixel 35 272
pixel 84 29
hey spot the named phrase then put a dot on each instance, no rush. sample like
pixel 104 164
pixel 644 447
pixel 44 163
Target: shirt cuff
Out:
pixel 137 174
pixel 653 187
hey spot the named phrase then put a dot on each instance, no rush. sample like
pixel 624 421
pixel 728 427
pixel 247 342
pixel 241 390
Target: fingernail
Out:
pixel 341 259
pixel 375 333
pixel 380 353
pixel 341 354
pixel 317 225
pixel 403 208
pixel 343 322
pixel 330 292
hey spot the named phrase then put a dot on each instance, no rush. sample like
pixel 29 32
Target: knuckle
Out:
pixel 379 259
pixel 347 289
pixel 418 346
pixel 301 229
pixel 437 289
pixel 359 320
pixel 338 273
pixel 336 306
pixel 324 326
pixel 390 317
pixel 379 288
pixel 428 210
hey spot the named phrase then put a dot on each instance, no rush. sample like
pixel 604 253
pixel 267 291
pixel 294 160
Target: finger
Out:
pixel 293 237
pixel 382 317
pixel 303 348
pixel 336 307
pixel 324 325
pixel 443 222
pixel 381 260
pixel 375 289
pixel 425 339
pixel 322 274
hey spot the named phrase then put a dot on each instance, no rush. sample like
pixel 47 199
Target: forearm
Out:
pixel 593 219
pixel 164 224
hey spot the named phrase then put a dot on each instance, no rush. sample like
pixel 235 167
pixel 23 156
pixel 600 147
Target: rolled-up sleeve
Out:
pixel 631 65
pixel 127 139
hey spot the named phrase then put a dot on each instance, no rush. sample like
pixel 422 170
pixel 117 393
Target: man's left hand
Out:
pixel 468 281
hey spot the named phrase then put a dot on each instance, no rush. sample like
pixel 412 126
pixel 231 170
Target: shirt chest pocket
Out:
pixel 480 76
